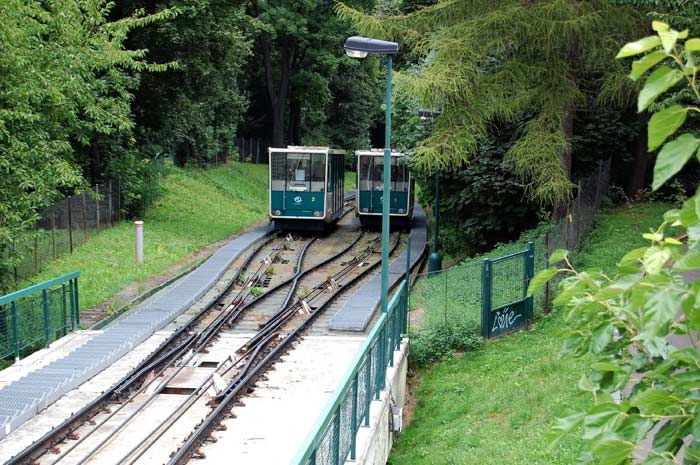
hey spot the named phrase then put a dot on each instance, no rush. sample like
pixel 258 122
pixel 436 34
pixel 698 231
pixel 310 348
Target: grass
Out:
pixel 350 183
pixel 196 208
pixel 497 405
pixel 618 231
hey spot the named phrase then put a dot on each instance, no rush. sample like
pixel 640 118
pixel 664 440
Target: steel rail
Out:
pixel 193 351
pixel 199 435
pixel 250 355
pixel 60 432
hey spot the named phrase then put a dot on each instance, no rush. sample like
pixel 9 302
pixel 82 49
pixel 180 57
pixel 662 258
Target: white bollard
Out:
pixel 139 241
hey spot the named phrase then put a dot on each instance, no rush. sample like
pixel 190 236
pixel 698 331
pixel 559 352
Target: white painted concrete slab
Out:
pixel 276 418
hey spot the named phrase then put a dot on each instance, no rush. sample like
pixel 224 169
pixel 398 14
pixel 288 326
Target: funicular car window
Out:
pixel 365 172
pixel 298 171
pixel 377 173
pixel 278 173
pixel 399 175
pixel 317 171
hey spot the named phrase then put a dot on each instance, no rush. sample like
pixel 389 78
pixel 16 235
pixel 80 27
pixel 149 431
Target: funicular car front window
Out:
pixel 298 171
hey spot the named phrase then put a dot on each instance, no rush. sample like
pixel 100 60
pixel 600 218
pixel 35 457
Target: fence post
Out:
pixel 97 205
pixel 85 227
pixel 353 430
pixel 404 310
pixel 70 224
pixel 119 200
pixel 77 302
pixel 64 313
pixel 336 438
pixel 109 201
pixel 530 272
pixel 485 297
pixel 45 302
pixel 15 329
pixel 368 387
pixel 53 230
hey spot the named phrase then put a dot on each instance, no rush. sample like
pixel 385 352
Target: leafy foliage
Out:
pixel 506 62
pixel 66 77
pixel 641 322
pixel 197 106
pixel 483 203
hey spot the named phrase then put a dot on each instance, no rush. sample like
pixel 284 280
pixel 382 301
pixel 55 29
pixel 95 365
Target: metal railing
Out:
pixel 33 317
pixel 333 439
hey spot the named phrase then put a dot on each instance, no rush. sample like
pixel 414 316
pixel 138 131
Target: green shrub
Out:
pixel 429 346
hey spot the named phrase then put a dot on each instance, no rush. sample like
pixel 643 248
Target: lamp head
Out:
pixel 359 47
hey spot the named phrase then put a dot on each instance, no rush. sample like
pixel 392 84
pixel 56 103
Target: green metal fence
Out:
pixel 505 306
pixel 333 440
pixel 34 317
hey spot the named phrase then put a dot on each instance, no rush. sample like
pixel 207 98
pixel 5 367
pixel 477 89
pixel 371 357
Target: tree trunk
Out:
pixel 277 94
pixel 573 57
pixel 640 164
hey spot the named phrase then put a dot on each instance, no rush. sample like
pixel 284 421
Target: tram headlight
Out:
pixel 277 212
pixel 317 213
pixel 365 210
pixel 401 210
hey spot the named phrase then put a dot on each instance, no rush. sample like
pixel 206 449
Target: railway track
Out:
pixel 107 430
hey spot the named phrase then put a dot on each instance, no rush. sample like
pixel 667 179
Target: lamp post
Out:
pixel 435 260
pixel 359 47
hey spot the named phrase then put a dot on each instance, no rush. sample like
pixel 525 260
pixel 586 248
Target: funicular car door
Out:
pixel 304 186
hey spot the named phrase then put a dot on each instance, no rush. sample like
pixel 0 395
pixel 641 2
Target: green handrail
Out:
pixel 350 380
pixel 33 317
pixel 27 291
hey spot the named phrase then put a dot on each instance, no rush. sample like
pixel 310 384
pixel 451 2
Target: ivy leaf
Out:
pixel 659 82
pixel 692 45
pixel 558 255
pixel 689 262
pixel 664 123
pixel 563 427
pixel 673 156
pixel 640 46
pixel 655 258
pixel 668 39
pixel 540 279
pixel 641 66
pixel 633 255
pixel 612 451
pixel 653 401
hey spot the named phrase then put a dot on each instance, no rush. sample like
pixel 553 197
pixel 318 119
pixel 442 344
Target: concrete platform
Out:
pixel 279 414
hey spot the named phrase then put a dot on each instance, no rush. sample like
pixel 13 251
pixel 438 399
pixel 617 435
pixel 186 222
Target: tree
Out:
pixel 65 78
pixel 197 106
pixel 305 74
pixel 506 62
pixel 633 321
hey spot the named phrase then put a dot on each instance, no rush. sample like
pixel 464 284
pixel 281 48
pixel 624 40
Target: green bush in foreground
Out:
pixel 641 323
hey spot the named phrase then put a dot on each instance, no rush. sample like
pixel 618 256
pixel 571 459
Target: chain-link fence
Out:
pixel 334 440
pixel 32 318
pixel 65 225
pixel 579 219
pixel 451 300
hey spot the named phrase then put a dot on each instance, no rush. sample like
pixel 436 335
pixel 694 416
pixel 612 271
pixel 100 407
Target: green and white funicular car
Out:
pixel 370 188
pixel 306 187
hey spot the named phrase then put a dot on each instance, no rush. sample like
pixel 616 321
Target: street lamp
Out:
pixel 359 47
pixel 435 260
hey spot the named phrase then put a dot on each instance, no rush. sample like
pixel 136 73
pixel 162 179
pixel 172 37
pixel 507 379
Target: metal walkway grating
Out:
pixel 359 309
pixel 22 399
